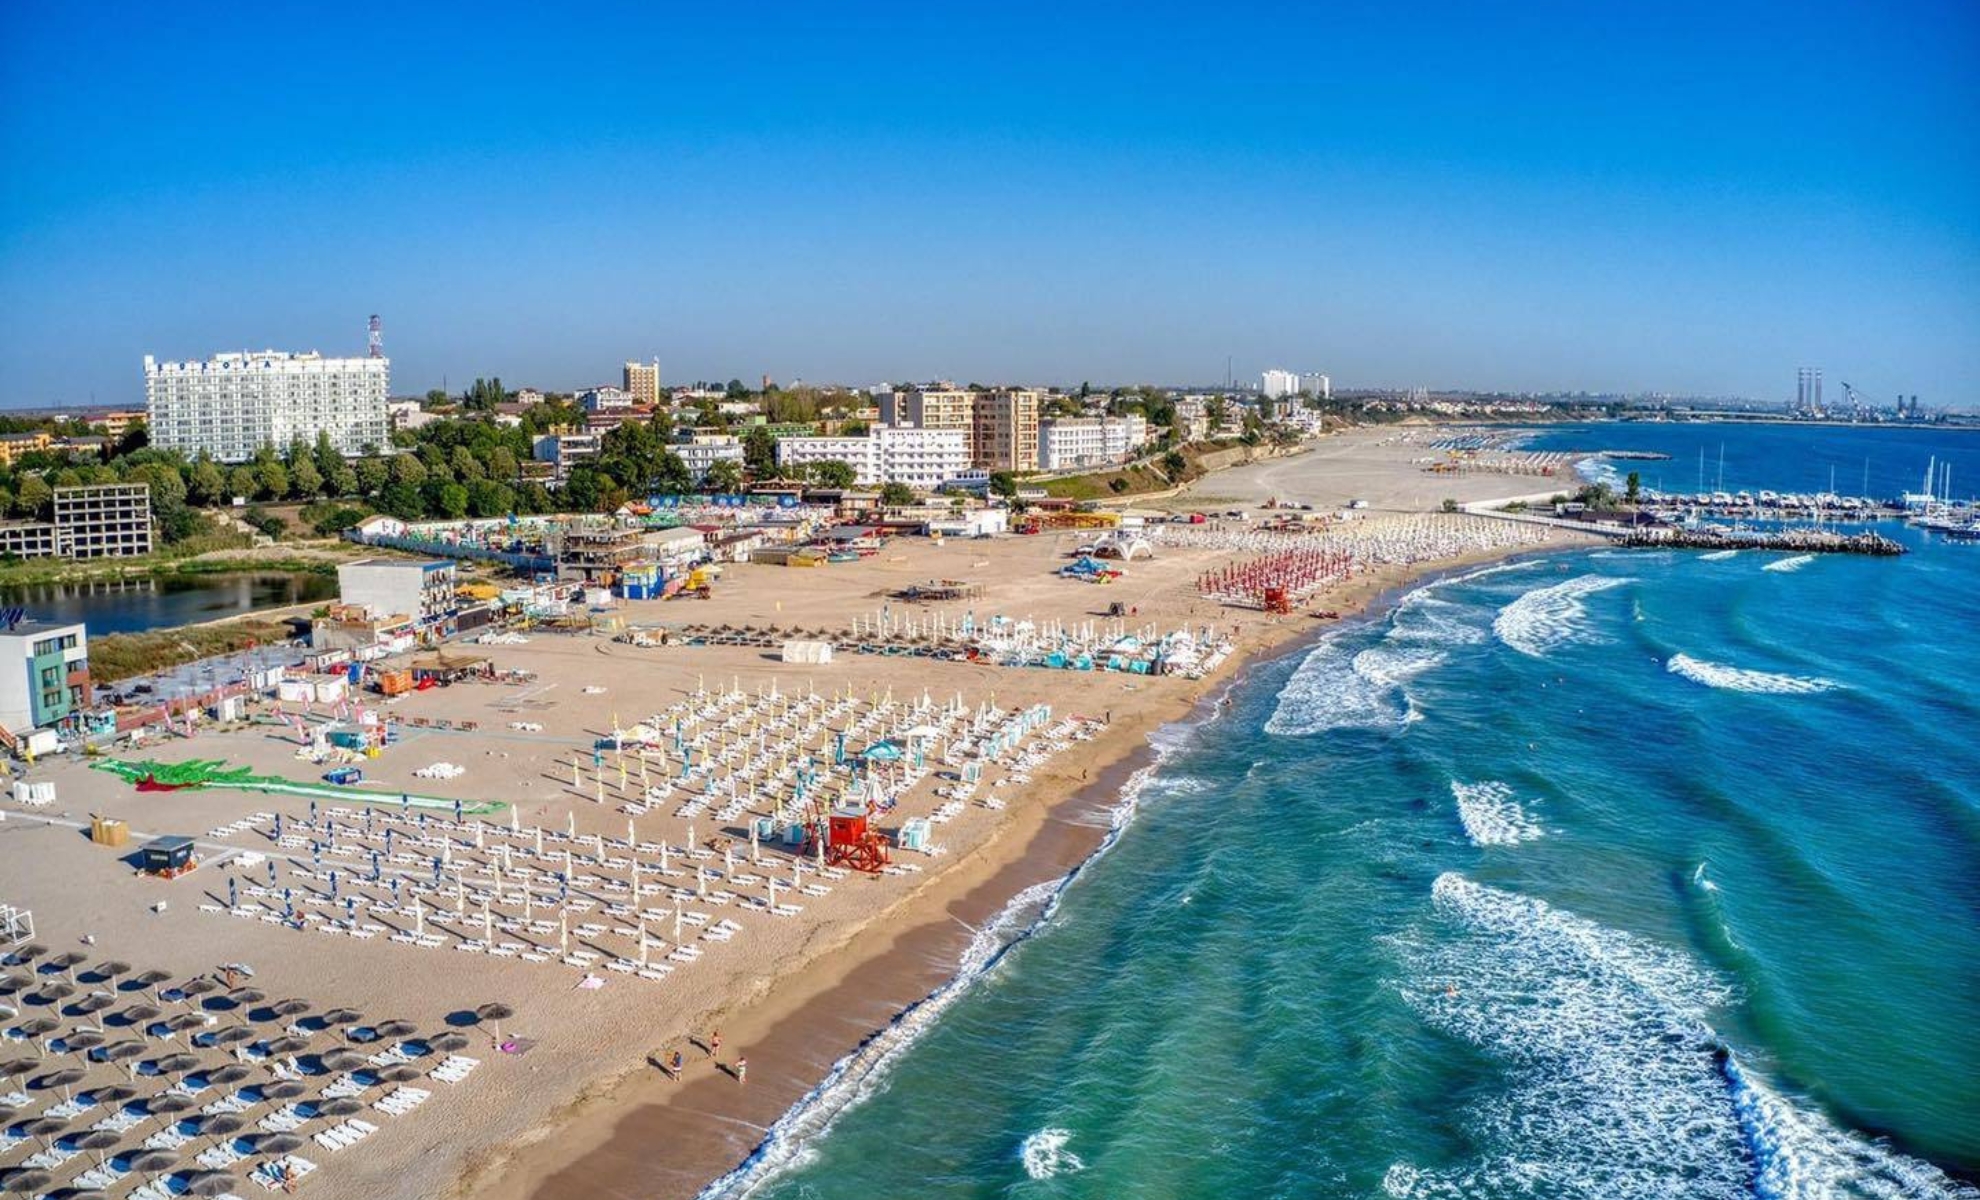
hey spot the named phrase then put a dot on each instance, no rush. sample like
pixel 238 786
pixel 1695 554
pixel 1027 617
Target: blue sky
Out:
pixel 1681 197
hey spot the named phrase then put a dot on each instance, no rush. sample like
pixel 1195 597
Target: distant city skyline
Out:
pixel 1561 198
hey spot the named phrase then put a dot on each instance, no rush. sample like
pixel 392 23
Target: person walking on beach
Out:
pixel 715 1044
pixel 742 1070
pixel 677 1065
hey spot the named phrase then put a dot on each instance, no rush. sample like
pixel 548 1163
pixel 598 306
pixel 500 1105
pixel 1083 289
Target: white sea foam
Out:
pixel 863 1073
pixel 1618 1085
pixel 1718 556
pixel 1045 1155
pixel 1793 563
pixel 1741 679
pixel 1490 815
pixel 1335 688
pixel 1552 616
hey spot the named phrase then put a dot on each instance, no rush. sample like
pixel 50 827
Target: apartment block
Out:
pixel 643 381
pixel 44 674
pixel 920 458
pixel 1004 430
pixel 231 405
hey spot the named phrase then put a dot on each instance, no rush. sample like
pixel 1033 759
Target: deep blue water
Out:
pixel 167 601
pixel 1602 874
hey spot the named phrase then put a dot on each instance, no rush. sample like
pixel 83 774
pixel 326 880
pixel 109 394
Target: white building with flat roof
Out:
pixel 1089 441
pixel 920 458
pixel 703 451
pixel 1276 383
pixel 232 405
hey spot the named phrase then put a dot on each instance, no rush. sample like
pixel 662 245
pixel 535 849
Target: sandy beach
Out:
pixel 583 1109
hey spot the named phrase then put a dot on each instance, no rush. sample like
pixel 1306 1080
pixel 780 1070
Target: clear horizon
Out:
pixel 1695 200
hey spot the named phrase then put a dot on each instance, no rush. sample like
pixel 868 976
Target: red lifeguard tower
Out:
pixel 849 842
pixel 1277 600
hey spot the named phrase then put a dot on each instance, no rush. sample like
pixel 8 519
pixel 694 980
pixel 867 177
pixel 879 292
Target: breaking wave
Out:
pixel 1718 556
pixel 1045 1155
pixel 1741 679
pixel 1619 1086
pixel 1552 616
pixel 1340 688
pixel 1793 563
pixel 1490 815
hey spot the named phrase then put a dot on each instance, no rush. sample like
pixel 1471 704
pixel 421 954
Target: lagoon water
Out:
pixel 1601 874
pixel 165 602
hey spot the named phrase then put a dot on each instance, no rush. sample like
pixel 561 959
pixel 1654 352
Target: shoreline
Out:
pixel 802 1024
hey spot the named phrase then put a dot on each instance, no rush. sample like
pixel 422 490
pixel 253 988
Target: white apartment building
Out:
pixel 566 450
pixel 1318 386
pixel 701 453
pixel 231 405
pixel 920 458
pixel 937 406
pixel 1089 441
pixel 605 398
pixel 1276 383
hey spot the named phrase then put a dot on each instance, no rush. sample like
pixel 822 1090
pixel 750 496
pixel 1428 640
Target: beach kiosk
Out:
pixel 167 857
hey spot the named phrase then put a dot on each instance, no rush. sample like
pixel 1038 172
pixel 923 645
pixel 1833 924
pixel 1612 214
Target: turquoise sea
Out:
pixel 1599 874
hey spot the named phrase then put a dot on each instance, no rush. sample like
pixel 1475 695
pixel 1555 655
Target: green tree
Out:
pixel 760 452
pixel 33 498
pixel 305 480
pixel 372 475
pixel 208 483
pixel 243 482
pixel 328 461
pixel 1633 487
pixel 1174 464
pixel 487 498
pixel 724 475
pixel 833 473
pixel 408 470
pixel 583 490
pixel 467 468
pixel 1004 484
pixel 343 481
pixel 502 465
pixel 274 478
pixel 896 494
pixel 453 501
pixel 670 475
pixel 403 501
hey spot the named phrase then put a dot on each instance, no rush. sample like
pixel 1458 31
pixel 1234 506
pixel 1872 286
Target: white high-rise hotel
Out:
pixel 231 405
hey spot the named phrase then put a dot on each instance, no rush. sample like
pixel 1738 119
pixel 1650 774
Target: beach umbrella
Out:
pixel 402 1073
pixel 112 1093
pixel 165 1106
pixel 150 1162
pixel 24 954
pixel 112 968
pixel 125 1052
pixel 180 1022
pixel 97 1139
pixel 44 1129
pixel 287 1089
pixel 67 962
pixel 341 1060
pixel 222 1125
pixel 231 1073
pixel 15 1068
pixel 13 982
pixel 65 1079
pixel 449 1042
pixel 82 1041
pixel 342 1106
pixel 495 1013
pixel 25 1181
pixel 38 1027
pixel 173 1064
pixel 232 1035
pixel 192 989
pixel 208 1183
pixel 395 1028
pixel 151 979
pixel 292 1044
pixel 245 999
pixel 341 1016
pixel 138 1014
pixel 94 1003
pixel 292 1007
pixel 58 990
